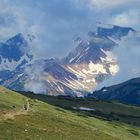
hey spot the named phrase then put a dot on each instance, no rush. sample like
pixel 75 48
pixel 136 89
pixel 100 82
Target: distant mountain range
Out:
pixel 127 92
pixel 77 74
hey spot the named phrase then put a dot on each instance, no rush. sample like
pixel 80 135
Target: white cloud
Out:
pixel 131 18
pixel 108 3
pixel 128 55
pixel 55 25
pixel 17 19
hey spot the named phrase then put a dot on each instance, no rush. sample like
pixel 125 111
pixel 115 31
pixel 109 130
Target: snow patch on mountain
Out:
pixel 6 64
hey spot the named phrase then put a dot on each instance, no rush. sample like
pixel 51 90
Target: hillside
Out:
pixel 44 121
pixel 126 92
pixel 93 107
pixel 8 99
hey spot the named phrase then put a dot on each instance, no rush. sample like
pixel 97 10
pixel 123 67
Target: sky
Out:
pixel 55 23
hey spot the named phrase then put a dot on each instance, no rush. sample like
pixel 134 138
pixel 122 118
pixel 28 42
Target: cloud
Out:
pixel 128 55
pixel 35 75
pixel 130 18
pixel 103 4
pixel 54 23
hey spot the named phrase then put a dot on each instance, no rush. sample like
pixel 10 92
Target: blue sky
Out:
pixel 56 22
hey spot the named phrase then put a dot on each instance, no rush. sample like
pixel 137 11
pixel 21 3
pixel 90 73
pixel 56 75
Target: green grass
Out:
pixel 9 99
pixel 106 107
pixel 105 110
pixel 47 122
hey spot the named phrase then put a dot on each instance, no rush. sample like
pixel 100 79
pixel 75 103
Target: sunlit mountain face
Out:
pixel 77 74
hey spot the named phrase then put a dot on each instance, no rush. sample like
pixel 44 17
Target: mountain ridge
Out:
pixel 76 74
pixel 126 92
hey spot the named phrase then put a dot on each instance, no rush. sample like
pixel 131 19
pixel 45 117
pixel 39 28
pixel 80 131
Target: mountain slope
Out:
pixel 127 92
pixel 77 74
pixel 44 121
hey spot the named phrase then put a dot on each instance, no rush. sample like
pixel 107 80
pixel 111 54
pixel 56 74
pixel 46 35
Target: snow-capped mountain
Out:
pixel 14 56
pixel 77 74
pixel 14 53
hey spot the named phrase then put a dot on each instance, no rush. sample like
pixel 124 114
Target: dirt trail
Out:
pixel 12 114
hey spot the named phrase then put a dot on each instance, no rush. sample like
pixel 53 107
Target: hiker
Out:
pixel 26 105
pixel 14 107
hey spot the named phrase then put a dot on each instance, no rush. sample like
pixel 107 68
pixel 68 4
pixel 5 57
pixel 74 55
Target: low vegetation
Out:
pixel 99 109
pixel 48 122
